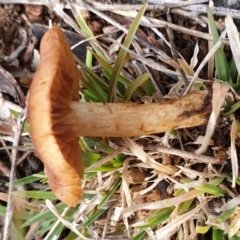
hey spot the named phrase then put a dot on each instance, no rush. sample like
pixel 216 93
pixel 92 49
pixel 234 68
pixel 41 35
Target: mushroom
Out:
pixel 54 86
pixel 57 118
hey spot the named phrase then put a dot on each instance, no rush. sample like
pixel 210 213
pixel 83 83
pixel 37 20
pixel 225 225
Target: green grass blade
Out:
pixel 233 108
pixel 94 76
pixel 94 217
pixel 217 234
pixel 134 85
pixel 139 236
pixel 211 189
pixel 159 217
pixel 26 127
pixel 89 158
pixel 122 53
pixel 110 193
pixel 46 227
pixel 84 27
pixel 44 216
pixel 234 238
pixel 93 88
pixel 27 180
pixel 229 178
pixel 81 23
pixel 17 214
pixel 107 67
pixel 184 206
pixel 225 215
pixel 57 232
pixel 233 69
pixel 121 89
pixel 35 194
pixel 149 88
pixel 223 72
pixel 202 229
pixel 216 181
pixel 237 85
pixel 89 59
pixel 2 210
pixel 105 168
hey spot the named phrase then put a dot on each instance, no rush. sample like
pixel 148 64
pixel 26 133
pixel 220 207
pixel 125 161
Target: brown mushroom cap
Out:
pixel 54 86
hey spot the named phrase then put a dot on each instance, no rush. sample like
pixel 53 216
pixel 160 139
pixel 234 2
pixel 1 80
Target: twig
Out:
pixel 157 3
pixel 176 3
pixel 10 206
pixel 161 5
pixel 160 23
pixel 191 5
pixel 189 155
pixel 107 7
pixel 219 11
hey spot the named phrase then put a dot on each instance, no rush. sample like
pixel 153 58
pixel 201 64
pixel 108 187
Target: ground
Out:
pixel 173 174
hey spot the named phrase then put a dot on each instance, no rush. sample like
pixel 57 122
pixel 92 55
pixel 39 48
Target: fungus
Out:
pixel 57 118
pixel 54 86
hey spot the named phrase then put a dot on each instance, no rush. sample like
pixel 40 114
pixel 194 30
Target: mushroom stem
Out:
pixel 130 119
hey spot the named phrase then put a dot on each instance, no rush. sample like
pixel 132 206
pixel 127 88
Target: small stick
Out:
pixel 160 23
pixel 10 206
pixel 219 11
pixel 107 7
pixel 186 154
